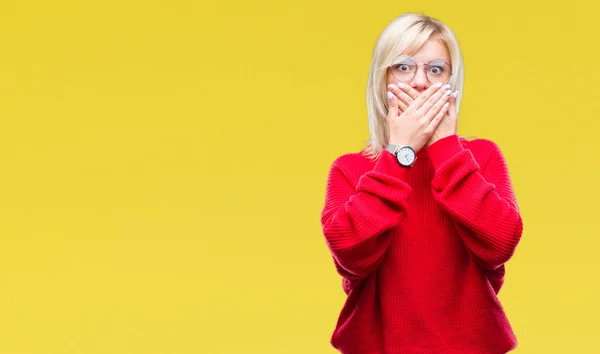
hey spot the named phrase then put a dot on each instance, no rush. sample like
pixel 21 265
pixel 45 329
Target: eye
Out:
pixel 436 70
pixel 402 67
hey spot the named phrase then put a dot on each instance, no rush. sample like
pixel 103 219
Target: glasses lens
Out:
pixel 403 68
pixel 438 71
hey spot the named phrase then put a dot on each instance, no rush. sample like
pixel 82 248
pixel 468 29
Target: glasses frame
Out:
pixel 418 64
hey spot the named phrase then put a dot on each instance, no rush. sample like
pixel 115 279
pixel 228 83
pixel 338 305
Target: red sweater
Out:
pixel 421 250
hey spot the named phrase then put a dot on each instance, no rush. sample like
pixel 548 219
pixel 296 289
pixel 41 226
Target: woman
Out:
pixel 421 222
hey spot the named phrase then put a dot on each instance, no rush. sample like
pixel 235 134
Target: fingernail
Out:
pixel 392 87
pixel 439 84
pixel 447 86
pixel 455 94
pixel 401 85
pixel 446 104
pixel 389 95
pixel 448 92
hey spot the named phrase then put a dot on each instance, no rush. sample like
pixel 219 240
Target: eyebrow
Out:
pixel 408 57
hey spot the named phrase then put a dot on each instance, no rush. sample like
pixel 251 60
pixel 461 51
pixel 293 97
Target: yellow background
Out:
pixel 164 163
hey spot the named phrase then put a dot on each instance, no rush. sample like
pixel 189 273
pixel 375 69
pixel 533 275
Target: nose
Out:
pixel 419 81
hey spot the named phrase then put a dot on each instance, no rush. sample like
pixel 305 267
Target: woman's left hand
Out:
pixel 449 124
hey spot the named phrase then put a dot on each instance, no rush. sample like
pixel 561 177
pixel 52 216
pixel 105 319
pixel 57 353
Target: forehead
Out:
pixel 432 49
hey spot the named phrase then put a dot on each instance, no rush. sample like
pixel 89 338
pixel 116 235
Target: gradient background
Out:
pixel 164 165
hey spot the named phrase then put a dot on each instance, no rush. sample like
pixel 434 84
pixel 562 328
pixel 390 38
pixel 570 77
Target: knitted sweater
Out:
pixel 421 250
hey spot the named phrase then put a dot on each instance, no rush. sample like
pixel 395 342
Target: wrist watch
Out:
pixel 405 155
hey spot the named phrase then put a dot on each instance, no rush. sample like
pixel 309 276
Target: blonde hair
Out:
pixel 405 34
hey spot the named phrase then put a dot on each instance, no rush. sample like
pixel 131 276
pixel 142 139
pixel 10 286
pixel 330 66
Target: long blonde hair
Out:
pixel 405 34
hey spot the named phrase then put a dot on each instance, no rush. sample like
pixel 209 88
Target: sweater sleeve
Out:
pixel 355 218
pixel 481 200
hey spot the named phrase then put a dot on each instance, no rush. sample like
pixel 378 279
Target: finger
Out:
pixel 404 99
pixel 442 93
pixel 409 90
pixel 427 94
pixel 438 117
pixel 392 105
pixel 403 107
pixel 437 106
pixel 452 107
pixel 451 113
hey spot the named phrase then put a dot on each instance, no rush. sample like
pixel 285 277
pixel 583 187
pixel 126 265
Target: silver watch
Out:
pixel 405 155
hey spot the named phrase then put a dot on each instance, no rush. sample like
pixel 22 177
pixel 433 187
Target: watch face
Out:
pixel 406 156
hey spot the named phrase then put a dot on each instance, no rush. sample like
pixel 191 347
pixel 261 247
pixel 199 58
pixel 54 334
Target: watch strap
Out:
pixel 393 148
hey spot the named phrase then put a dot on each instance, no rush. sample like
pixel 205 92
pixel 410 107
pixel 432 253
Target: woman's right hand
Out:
pixel 417 123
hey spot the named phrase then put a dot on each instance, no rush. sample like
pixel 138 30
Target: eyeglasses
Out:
pixel 404 69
